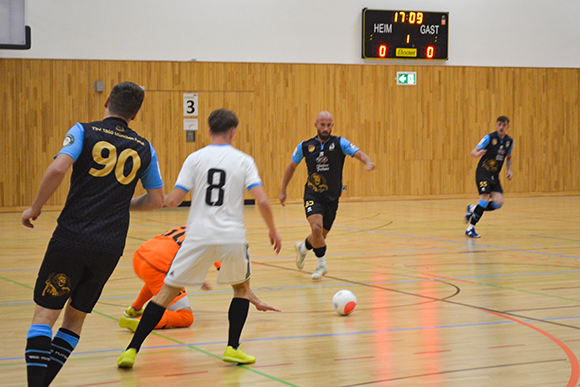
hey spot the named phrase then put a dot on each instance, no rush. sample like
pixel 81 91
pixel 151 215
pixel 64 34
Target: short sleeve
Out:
pixel 483 142
pixel 151 178
pixel 348 148
pixel 297 155
pixel 73 141
pixel 252 178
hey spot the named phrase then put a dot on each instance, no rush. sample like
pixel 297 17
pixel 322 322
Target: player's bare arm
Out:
pixel 51 180
pixel 152 200
pixel 509 167
pixel 175 198
pixel 365 159
pixel 477 152
pixel 263 204
pixel 288 173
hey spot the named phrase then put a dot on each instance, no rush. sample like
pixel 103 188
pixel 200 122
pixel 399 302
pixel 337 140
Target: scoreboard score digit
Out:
pixel 404 34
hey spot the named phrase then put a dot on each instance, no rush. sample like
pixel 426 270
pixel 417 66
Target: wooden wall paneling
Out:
pixel 419 137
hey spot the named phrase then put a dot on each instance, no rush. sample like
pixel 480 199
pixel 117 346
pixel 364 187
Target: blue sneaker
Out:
pixel 469 212
pixel 472 234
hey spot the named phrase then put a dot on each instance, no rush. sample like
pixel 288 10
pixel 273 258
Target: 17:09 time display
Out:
pixel 409 17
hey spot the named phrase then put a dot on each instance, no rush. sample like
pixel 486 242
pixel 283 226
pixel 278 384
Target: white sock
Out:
pixel 321 261
pixel 470 227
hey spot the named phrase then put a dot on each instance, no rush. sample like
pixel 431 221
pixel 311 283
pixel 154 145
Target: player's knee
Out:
pixel 497 204
pixel 186 318
pixel 317 231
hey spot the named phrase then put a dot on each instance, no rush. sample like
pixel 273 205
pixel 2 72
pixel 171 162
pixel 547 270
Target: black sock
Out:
pixel 151 317
pixel 477 213
pixel 237 315
pixel 320 251
pixel 63 344
pixel 37 353
pixel 307 244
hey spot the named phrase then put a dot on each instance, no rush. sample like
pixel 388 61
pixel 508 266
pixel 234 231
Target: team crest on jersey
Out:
pixel 494 142
pixel 331 147
pixel 68 140
pixel 57 285
pixel 119 128
pixel 310 148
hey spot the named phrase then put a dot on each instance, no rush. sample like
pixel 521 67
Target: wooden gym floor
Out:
pixel 435 308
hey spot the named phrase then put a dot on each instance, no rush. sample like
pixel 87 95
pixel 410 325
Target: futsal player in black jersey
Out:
pixel 494 149
pixel 108 159
pixel 324 156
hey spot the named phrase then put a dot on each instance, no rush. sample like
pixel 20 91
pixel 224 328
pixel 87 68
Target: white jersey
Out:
pixel 217 176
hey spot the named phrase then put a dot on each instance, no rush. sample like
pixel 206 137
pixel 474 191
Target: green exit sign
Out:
pixel 406 78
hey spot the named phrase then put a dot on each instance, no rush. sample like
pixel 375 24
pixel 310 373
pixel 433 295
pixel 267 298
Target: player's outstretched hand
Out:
pixel 276 241
pixel 265 307
pixel 370 166
pixel 29 215
pixel 205 286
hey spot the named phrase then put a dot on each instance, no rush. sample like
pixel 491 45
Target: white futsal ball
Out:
pixel 344 302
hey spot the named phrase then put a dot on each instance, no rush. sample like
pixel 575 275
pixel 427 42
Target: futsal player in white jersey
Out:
pixel 217 176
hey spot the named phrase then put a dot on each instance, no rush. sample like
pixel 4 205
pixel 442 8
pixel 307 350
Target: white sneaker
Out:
pixel 299 256
pixel 319 272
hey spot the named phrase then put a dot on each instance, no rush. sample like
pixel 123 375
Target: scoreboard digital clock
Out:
pixel 404 34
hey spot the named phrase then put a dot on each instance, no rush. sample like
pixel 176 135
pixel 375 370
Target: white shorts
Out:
pixel 192 262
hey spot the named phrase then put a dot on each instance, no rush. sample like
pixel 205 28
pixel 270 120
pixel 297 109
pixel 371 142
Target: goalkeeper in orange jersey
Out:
pixel 151 263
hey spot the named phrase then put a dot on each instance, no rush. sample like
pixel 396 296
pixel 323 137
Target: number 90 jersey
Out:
pixel 217 176
pixel 109 160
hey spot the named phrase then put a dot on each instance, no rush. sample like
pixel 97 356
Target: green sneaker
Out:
pixel 130 312
pixel 127 359
pixel 232 355
pixel 129 323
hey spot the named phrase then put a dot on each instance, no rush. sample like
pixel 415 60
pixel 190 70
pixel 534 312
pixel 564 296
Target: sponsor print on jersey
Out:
pixel 317 183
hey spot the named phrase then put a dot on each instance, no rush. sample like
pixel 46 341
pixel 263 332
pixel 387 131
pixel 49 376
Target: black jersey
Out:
pixel 497 150
pixel 103 180
pixel 325 163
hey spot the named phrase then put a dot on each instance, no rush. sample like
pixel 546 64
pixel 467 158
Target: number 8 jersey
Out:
pixel 109 160
pixel 217 175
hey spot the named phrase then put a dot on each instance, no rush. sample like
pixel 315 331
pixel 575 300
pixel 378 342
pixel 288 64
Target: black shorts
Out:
pixel 317 204
pixel 487 183
pixel 74 272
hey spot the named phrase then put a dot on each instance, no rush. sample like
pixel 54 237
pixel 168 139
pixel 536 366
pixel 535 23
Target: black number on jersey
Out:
pixel 176 233
pixel 213 175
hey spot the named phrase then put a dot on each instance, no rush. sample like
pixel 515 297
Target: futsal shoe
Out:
pixel 129 323
pixel 472 234
pixel 320 271
pixel 299 256
pixel 130 312
pixel 127 359
pixel 469 212
pixel 232 355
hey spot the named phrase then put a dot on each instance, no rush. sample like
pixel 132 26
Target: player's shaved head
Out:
pixel 323 115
